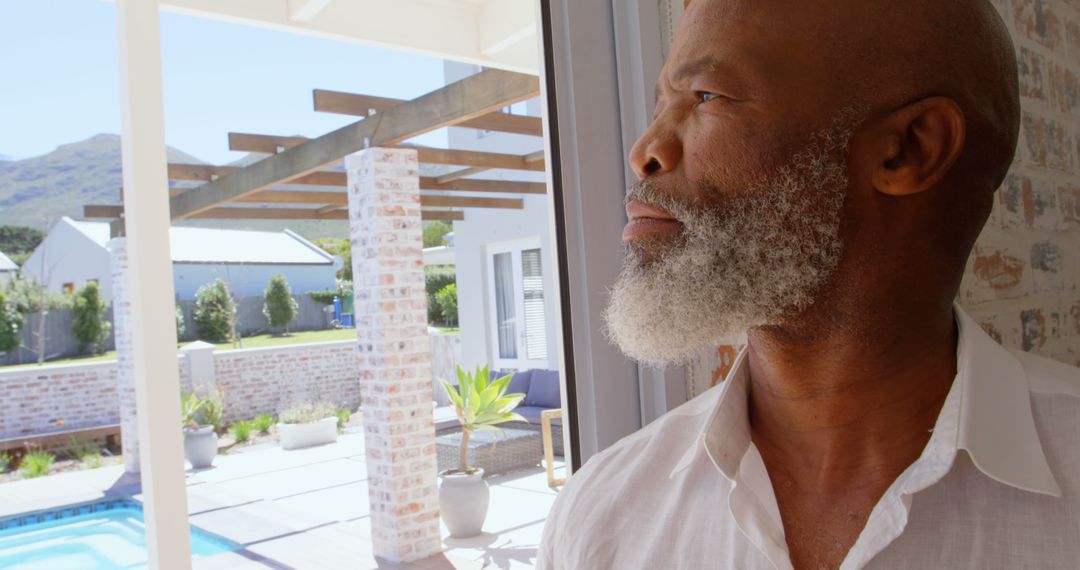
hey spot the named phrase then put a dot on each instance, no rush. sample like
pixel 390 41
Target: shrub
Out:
pixel 342 248
pixel 278 304
pixel 213 409
pixel 241 431
pixel 215 312
pixel 307 412
pixel 262 423
pixel 481 403
pixel 36 464
pixel 446 298
pixel 435 282
pixel 435 233
pixel 180 328
pixel 92 461
pixel 89 326
pixel 190 405
pixel 326 296
pixel 5 461
pixel 343 416
pixel 78 448
pixel 11 322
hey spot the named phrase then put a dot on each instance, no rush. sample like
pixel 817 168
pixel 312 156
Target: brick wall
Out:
pixel 1023 276
pixel 33 399
pixel 1022 282
pixel 268 380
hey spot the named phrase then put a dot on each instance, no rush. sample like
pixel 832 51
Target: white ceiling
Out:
pixel 492 33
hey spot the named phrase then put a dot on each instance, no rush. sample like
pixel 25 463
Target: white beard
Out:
pixel 752 258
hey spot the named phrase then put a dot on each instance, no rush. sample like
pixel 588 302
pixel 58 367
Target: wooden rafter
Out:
pixel 271 144
pixel 340 179
pixel 454 104
pixel 362 106
pixel 236 213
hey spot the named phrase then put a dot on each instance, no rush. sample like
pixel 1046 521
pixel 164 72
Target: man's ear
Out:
pixel 917 145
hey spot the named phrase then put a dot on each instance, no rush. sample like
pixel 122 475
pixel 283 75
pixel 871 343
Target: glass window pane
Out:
pixel 532 284
pixel 505 309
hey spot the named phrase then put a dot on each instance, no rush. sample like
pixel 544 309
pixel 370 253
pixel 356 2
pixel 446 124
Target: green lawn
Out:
pixel 258 341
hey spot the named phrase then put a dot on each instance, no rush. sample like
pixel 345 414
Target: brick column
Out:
pixel 395 359
pixel 125 366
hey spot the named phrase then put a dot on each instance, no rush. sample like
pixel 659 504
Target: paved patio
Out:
pixel 307 509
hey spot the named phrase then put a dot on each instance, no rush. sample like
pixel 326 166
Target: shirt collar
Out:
pixel 993 411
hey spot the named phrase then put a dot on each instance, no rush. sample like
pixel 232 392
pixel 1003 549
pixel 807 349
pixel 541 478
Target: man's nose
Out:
pixel 658 150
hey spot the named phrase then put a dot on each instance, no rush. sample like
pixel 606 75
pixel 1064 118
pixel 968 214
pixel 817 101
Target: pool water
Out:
pixel 102 535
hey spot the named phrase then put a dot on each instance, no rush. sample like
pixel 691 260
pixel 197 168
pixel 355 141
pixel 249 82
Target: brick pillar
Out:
pixel 125 366
pixel 395 359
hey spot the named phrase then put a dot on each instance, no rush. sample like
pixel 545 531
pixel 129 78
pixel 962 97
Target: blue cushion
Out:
pixel 532 413
pixel 519 384
pixel 544 389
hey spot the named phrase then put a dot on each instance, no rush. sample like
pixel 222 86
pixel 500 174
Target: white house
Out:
pixel 506 319
pixel 75 252
pixel 7 267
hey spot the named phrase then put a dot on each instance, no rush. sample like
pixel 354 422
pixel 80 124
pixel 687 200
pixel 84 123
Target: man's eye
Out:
pixel 706 96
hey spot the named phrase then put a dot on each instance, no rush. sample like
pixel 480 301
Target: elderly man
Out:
pixel 816 174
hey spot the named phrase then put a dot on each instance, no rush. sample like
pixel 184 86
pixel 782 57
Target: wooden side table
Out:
pixel 549 453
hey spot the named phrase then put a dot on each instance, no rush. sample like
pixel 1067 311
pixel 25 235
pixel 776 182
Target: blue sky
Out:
pixel 59 84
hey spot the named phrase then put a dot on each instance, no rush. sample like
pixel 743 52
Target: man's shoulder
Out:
pixel 659 444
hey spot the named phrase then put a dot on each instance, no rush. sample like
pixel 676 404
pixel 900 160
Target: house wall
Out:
pixel 251 280
pixel 66 255
pixel 1022 281
pixel 484 227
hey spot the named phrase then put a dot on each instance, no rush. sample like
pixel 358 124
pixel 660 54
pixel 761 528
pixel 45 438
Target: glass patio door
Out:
pixel 519 323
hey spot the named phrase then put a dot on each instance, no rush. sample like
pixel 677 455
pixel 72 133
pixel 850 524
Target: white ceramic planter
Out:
pixel 463 502
pixel 200 446
pixel 298 436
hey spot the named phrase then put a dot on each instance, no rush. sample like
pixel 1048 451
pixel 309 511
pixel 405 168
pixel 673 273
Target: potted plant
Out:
pixel 308 424
pixel 481 404
pixel 200 441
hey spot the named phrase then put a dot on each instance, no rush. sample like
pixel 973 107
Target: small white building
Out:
pixel 7 267
pixel 76 252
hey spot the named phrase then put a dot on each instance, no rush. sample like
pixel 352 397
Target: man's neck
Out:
pixel 856 400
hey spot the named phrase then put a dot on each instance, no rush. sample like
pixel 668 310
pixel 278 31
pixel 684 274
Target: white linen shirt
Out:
pixel 690 490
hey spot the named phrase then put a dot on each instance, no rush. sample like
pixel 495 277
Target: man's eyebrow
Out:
pixel 704 64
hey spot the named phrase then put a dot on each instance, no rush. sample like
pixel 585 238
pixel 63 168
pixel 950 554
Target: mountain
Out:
pixel 36 192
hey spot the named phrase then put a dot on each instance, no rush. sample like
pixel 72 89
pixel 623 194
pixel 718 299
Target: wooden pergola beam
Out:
pixel 270 144
pixel 116 212
pixel 340 179
pixel 467 99
pixel 359 105
pixel 209 173
pixel 340 199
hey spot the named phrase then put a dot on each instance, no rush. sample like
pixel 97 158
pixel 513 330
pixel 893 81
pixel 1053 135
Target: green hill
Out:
pixel 36 192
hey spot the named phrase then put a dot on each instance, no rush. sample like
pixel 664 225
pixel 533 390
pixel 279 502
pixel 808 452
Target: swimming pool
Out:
pixel 102 535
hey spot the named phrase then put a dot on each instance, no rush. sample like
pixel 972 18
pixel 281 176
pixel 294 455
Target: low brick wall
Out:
pixel 268 380
pixel 41 400
pixel 46 399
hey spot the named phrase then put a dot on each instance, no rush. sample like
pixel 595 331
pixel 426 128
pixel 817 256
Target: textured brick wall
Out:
pixel 125 364
pixel 395 366
pixel 1022 279
pixel 56 398
pixel 268 380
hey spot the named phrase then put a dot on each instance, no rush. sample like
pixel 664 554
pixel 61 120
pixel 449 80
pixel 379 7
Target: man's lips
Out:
pixel 647 220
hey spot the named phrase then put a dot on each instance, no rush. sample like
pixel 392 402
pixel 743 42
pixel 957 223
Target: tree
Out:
pixel 215 312
pixel 278 304
pixel 90 327
pixel 342 248
pixel 180 328
pixel 435 281
pixel 32 298
pixel 19 242
pixel 11 321
pixel 446 298
pixel 435 233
